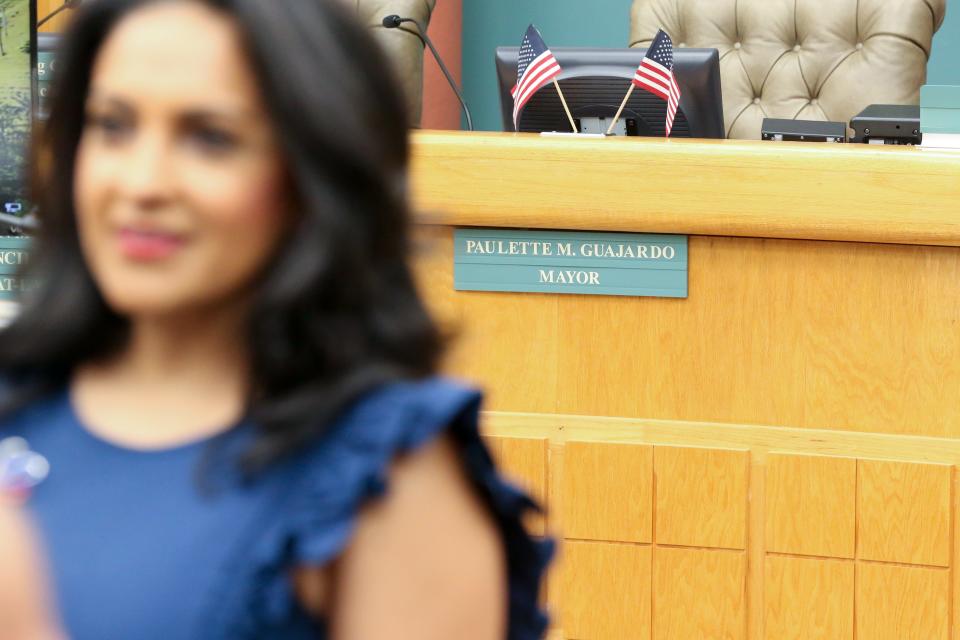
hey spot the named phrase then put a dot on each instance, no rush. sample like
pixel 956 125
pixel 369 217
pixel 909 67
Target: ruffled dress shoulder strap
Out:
pixel 351 465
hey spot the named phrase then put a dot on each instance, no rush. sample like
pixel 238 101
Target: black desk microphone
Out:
pixel 394 21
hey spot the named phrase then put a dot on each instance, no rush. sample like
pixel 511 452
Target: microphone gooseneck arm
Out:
pixel 394 22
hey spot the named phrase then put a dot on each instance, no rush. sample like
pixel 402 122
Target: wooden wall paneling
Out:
pixel 701 497
pixel 606 591
pixel 756 565
pixel 613 355
pixel 896 602
pixel 554 579
pixel 875 356
pixel 670 367
pixel 504 342
pixel 808 599
pixel 507 342
pixel 608 492
pixel 771 599
pixel 904 512
pixel 832 334
pixel 811 505
pixel 699 593
pixel 955 557
pixel 711 187
pixel 524 461
pixel 786 344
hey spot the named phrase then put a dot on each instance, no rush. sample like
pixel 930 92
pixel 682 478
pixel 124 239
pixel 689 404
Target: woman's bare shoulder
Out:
pixel 426 561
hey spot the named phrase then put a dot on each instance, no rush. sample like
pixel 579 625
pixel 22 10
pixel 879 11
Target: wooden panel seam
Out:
pixel 755 584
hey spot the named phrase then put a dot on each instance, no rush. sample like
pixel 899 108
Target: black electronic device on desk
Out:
pixel 887 124
pixel 594 82
pixel 780 130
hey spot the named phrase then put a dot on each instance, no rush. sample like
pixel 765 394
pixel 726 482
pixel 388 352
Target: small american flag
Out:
pixel 536 67
pixel 656 75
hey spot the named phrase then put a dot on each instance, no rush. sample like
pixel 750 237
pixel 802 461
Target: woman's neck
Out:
pixel 198 346
pixel 177 379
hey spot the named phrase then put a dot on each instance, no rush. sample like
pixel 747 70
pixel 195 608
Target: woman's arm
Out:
pixel 426 562
pixel 24 614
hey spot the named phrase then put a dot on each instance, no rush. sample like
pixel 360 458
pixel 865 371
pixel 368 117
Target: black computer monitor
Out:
pixel 594 82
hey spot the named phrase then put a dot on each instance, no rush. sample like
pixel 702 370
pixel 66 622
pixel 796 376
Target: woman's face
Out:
pixel 180 190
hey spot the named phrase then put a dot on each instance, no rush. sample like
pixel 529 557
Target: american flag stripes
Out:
pixel 536 67
pixel 655 74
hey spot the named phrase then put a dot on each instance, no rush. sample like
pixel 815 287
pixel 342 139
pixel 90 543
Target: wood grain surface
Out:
pixel 847 535
pixel 699 593
pixel 524 462
pixel 705 508
pixel 808 599
pixel 608 492
pixel 607 591
pixel 904 512
pixel 828 335
pixel 811 505
pixel 750 188
pixel 902 603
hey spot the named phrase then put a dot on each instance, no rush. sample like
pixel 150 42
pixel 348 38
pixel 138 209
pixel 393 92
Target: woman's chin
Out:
pixel 156 300
pixel 147 303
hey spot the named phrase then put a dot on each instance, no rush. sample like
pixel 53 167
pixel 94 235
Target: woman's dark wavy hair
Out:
pixel 336 313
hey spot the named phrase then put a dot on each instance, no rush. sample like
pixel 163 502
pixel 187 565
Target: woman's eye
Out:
pixel 109 126
pixel 212 139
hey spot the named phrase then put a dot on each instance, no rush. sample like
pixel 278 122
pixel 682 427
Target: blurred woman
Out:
pixel 225 362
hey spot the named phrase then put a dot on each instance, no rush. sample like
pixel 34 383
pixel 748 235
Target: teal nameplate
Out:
pixel 13 254
pixel 610 264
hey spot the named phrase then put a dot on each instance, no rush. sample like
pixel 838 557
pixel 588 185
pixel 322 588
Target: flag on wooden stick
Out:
pixel 655 74
pixel 536 67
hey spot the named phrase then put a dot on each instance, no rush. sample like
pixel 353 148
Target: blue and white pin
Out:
pixel 20 468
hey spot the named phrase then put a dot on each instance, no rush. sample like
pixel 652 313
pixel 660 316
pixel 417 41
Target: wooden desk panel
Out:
pixel 818 353
pixel 900 582
pixel 829 335
pixel 701 187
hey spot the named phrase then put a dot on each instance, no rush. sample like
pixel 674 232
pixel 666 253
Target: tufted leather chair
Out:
pixel 403 48
pixel 801 59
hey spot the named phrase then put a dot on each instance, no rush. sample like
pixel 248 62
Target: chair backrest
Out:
pixel 801 59
pixel 403 48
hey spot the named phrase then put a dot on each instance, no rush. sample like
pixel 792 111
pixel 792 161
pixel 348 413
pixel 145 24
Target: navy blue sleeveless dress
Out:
pixel 176 545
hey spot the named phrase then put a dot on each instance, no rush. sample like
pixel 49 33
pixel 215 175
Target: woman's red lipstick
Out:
pixel 147 245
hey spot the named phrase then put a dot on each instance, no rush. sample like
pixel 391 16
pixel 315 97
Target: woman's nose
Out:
pixel 146 173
